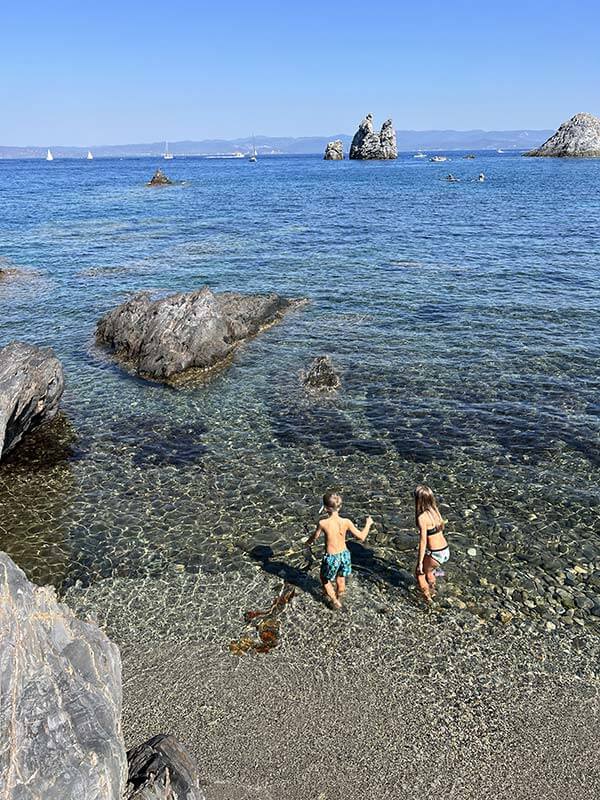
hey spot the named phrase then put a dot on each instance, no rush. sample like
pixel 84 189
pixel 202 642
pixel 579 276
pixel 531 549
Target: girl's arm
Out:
pixel 422 544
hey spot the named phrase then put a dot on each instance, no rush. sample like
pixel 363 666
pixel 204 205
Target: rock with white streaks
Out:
pixel 578 137
pixel 60 699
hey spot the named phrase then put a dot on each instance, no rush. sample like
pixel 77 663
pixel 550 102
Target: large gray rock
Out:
pixel 31 385
pixel 162 769
pixel 579 137
pixel 60 699
pixel 164 337
pixel 334 151
pixel 367 144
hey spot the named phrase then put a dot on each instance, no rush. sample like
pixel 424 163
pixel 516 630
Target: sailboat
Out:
pixel 49 156
pixel 253 154
pixel 167 156
pixel 89 156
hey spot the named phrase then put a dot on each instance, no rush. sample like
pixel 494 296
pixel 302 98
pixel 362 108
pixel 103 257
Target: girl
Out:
pixel 433 547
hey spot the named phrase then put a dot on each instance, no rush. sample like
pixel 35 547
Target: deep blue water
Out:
pixel 464 317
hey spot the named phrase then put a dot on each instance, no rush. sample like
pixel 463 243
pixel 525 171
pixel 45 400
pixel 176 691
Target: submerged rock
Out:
pixel 60 704
pixel 334 151
pixel 31 385
pixel 164 337
pixel 367 144
pixel 579 137
pixel 321 375
pixel 159 179
pixel 162 769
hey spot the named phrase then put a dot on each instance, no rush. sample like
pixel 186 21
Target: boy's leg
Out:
pixel 329 592
pixel 340 586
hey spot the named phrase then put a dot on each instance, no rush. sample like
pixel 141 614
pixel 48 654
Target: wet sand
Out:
pixel 380 701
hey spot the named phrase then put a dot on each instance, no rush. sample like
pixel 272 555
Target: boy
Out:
pixel 336 565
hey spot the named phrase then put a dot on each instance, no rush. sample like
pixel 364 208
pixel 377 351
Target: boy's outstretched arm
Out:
pixel 314 535
pixel 361 535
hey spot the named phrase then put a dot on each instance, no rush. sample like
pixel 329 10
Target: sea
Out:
pixel 463 318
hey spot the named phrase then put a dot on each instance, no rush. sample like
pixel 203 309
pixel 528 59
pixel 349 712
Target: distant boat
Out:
pixel 89 156
pixel 438 159
pixel 236 154
pixel 167 156
pixel 420 154
pixel 499 151
pixel 253 154
pixel 49 156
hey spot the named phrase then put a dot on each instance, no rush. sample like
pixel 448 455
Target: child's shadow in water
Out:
pixel 364 561
pixel 289 573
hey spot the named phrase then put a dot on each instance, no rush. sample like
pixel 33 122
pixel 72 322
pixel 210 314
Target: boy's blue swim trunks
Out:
pixel 336 565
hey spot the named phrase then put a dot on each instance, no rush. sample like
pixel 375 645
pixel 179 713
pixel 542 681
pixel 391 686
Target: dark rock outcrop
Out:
pixel 322 376
pixel 159 179
pixel 579 137
pixel 200 329
pixel 334 151
pixel 367 144
pixel 60 704
pixel 31 385
pixel 162 769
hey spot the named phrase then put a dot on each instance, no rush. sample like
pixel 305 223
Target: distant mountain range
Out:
pixel 281 145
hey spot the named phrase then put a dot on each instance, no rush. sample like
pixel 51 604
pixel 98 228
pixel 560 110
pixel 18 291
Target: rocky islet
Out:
pixel 369 145
pixel 578 137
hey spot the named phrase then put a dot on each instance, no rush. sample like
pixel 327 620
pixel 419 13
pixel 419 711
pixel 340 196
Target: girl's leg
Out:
pixel 429 567
pixel 423 584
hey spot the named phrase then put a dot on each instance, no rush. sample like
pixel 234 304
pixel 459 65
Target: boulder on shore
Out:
pixel 60 704
pixel 578 137
pixel 31 385
pixel 322 376
pixel 200 329
pixel 334 151
pixel 367 144
pixel 162 769
pixel 159 179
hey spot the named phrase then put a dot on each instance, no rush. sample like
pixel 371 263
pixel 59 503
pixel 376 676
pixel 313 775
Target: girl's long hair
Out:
pixel 424 501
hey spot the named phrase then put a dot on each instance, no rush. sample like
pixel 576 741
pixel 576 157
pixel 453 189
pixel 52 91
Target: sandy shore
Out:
pixel 381 701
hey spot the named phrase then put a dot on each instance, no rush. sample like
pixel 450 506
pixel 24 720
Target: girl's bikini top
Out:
pixel 438 529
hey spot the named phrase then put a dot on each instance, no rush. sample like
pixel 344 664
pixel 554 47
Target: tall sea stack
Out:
pixel 367 144
pixel 579 137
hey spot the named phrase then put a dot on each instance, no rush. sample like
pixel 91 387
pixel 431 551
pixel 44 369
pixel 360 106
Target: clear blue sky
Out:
pixel 138 70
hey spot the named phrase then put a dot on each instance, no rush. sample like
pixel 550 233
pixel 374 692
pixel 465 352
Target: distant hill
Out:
pixel 281 145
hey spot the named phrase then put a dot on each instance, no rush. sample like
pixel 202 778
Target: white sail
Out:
pixel 167 156
pixel 49 156
pixel 89 155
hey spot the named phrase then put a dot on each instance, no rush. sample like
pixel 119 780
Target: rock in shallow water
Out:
pixel 60 704
pixel 578 137
pixel 197 329
pixel 367 144
pixel 31 385
pixel 322 375
pixel 162 769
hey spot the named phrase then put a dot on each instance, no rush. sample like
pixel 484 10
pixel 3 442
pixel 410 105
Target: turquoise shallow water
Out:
pixel 464 319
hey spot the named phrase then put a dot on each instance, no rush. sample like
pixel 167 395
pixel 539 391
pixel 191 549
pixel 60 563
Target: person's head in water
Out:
pixel 424 501
pixel 332 501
